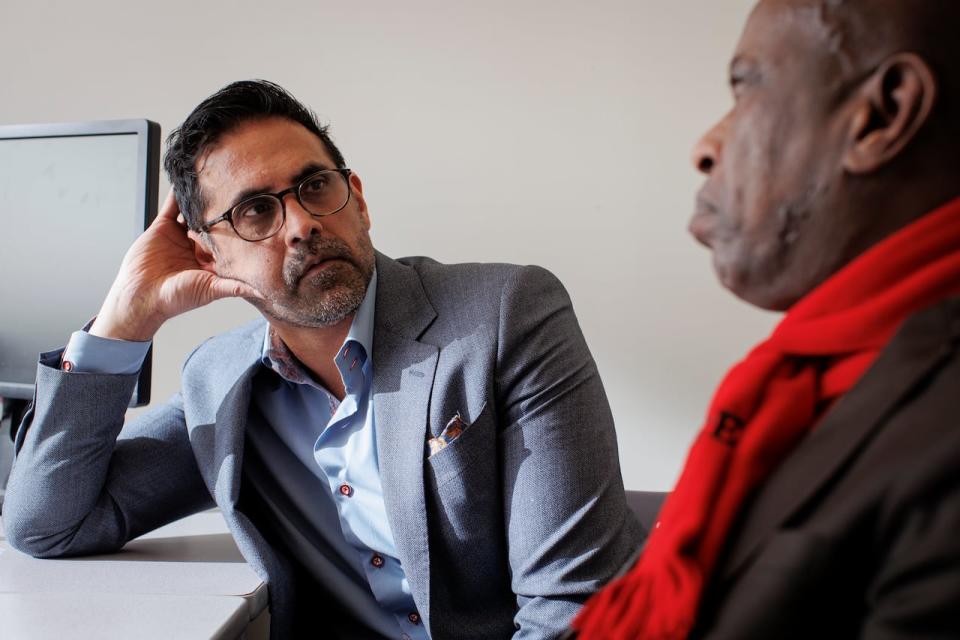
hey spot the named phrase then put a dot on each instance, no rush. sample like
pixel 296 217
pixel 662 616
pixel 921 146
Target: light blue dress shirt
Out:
pixel 335 440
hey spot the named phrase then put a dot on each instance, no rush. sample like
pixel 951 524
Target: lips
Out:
pixel 704 220
pixel 316 264
pixel 319 263
pixel 312 256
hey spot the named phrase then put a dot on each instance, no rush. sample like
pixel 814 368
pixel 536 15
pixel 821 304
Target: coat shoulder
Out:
pixel 459 284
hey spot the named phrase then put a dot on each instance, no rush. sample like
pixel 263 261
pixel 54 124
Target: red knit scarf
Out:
pixel 765 405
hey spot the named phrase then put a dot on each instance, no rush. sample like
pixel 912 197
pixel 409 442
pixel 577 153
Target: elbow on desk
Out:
pixel 30 531
pixel 34 545
pixel 23 537
pixel 21 534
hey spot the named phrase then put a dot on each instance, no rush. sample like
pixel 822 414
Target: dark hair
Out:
pixel 232 105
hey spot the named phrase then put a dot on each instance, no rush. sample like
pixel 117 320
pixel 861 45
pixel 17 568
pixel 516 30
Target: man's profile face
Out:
pixel 772 162
pixel 314 271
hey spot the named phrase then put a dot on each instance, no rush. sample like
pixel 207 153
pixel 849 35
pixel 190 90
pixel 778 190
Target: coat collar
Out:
pixel 402 304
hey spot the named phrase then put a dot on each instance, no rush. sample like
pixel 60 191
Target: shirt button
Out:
pixel 67 366
pixel 377 560
pixel 346 490
pixel 414 617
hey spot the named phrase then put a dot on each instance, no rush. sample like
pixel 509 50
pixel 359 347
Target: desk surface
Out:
pixel 54 616
pixel 193 557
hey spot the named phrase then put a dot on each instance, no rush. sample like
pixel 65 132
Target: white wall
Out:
pixel 555 133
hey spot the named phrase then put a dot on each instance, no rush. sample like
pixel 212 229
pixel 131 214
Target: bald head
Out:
pixel 888 26
pixel 843 130
pixel 861 34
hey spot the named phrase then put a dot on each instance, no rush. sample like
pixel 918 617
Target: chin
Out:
pixel 766 297
pixel 769 296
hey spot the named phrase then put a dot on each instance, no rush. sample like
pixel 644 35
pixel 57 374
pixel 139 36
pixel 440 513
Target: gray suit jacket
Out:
pixel 505 531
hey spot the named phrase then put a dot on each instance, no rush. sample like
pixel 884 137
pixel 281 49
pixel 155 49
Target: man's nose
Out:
pixel 706 152
pixel 300 224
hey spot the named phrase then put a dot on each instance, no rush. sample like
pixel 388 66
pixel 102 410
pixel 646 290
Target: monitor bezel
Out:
pixel 148 184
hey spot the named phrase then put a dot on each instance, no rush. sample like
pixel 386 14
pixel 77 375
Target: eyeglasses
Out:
pixel 260 217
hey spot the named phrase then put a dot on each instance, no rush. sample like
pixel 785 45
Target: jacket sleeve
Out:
pixel 568 526
pixel 82 481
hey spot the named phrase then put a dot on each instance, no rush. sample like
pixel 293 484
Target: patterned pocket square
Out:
pixel 450 433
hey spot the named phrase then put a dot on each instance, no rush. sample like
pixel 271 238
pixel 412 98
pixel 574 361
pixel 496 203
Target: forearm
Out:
pixel 63 454
pixel 75 487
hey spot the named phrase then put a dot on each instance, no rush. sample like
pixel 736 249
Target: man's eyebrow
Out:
pixel 309 169
pixel 306 171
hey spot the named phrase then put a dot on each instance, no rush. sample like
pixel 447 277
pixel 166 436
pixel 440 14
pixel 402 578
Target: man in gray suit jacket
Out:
pixel 419 450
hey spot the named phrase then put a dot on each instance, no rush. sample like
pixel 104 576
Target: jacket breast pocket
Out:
pixel 476 445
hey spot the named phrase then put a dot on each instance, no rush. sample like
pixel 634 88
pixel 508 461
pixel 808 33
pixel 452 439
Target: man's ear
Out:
pixel 203 251
pixel 894 104
pixel 356 187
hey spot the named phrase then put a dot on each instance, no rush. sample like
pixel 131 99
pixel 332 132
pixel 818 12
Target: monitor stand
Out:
pixel 13 410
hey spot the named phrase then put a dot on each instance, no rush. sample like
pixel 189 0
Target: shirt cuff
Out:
pixel 86 353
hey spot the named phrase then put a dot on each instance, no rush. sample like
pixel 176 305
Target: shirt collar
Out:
pixel 276 356
pixel 361 329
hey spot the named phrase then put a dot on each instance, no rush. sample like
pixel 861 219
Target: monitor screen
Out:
pixel 73 197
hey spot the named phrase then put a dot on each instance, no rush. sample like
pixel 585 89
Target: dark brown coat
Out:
pixel 857 533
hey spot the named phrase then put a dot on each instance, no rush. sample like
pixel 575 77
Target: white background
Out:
pixel 554 133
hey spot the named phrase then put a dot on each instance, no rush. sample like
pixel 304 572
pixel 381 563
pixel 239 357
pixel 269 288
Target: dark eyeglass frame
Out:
pixel 280 195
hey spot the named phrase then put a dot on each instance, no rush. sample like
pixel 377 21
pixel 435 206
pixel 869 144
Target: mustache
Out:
pixel 312 252
pixel 703 205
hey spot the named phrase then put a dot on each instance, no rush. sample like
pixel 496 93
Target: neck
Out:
pixel 316 348
pixel 893 205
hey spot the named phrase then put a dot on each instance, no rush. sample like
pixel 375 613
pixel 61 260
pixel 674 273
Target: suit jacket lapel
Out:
pixel 231 425
pixel 224 475
pixel 403 370
pixel 217 385
pixel 919 347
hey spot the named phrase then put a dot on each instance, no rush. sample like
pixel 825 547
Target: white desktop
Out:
pixel 186 580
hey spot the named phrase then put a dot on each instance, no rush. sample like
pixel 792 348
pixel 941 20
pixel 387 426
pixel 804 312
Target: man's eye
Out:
pixel 314 185
pixel 254 209
pixel 743 79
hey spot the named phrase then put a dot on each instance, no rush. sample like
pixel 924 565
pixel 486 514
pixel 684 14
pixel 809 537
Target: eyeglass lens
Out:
pixel 321 194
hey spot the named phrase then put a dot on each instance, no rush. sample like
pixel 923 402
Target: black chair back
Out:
pixel 646 505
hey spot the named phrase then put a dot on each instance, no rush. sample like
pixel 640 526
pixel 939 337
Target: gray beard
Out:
pixel 327 297
pixel 332 295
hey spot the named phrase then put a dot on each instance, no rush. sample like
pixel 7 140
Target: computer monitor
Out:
pixel 73 197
